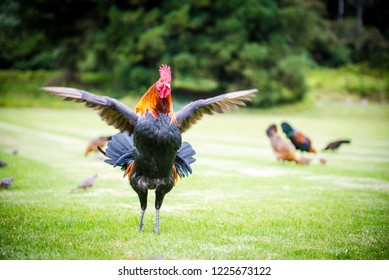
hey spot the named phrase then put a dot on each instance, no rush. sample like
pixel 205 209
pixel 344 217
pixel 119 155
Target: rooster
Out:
pixel 149 148
pixel 282 149
pixel 299 140
pixel 336 144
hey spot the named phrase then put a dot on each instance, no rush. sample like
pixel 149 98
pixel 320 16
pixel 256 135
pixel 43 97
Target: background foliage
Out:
pixel 211 45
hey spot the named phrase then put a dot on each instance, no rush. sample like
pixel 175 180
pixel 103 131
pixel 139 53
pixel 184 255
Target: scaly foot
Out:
pixel 156 228
pixel 140 227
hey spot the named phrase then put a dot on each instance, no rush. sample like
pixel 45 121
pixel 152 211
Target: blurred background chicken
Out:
pixel 86 184
pixel 6 182
pixel 332 146
pixel 282 149
pixel 97 143
pixel 299 139
pixel 3 163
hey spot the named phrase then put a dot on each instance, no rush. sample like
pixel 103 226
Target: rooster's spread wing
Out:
pixel 110 110
pixel 194 111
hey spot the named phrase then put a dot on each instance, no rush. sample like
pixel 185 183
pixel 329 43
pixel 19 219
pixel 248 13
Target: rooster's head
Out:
pixel 287 129
pixel 163 84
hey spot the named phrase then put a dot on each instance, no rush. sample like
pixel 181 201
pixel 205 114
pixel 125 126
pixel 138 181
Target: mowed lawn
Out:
pixel 239 203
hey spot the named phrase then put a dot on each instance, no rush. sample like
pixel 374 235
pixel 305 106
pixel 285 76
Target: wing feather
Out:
pixel 110 110
pixel 195 110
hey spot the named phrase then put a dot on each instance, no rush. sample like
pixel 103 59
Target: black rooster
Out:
pixel 150 149
pixel 299 139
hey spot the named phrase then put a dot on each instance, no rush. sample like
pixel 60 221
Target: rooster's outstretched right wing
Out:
pixel 110 110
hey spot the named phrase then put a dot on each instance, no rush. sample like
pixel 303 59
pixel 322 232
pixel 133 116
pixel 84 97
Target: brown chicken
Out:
pixel 86 184
pixel 282 149
pixel 97 143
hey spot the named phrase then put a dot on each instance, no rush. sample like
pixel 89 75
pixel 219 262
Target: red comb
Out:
pixel 164 73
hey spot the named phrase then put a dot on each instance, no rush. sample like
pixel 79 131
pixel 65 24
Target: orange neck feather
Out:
pixel 152 103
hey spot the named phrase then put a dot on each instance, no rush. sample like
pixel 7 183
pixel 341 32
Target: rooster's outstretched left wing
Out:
pixel 194 111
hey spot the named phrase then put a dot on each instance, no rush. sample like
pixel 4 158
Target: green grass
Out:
pixel 239 203
pixel 350 81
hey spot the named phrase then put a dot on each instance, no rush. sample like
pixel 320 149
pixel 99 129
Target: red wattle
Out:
pixel 164 92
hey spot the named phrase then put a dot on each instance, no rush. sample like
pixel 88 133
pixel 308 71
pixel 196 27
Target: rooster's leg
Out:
pixel 143 205
pixel 159 196
pixel 156 228
pixel 140 227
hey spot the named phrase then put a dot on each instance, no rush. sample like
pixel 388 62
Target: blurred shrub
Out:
pixel 328 50
pixel 264 44
pixel 349 80
pixel 285 83
pixel 362 46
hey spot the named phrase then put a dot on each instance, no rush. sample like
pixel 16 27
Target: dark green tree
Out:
pixel 49 34
pixel 266 44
